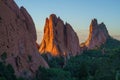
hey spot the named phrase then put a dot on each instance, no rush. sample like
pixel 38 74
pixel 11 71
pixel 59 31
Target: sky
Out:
pixel 78 13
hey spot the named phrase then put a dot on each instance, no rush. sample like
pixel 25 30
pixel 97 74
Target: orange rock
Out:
pixel 59 38
pixel 98 35
pixel 18 39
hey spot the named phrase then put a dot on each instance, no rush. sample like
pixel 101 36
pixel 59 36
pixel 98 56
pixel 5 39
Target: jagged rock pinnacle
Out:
pixel 59 39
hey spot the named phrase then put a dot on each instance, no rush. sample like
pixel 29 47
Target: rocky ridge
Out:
pixel 18 39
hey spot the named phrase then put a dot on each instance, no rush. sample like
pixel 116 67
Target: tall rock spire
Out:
pixel 59 39
pixel 98 35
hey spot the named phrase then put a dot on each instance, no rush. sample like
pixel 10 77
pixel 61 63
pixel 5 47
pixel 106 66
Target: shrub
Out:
pixel 7 71
pixel 29 58
pixel 54 62
pixel 4 56
pixel 52 74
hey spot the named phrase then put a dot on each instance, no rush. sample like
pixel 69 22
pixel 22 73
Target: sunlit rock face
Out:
pixel 59 39
pixel 98 35
pixel 18 39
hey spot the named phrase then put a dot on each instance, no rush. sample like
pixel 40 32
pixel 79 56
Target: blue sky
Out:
pixel 78 13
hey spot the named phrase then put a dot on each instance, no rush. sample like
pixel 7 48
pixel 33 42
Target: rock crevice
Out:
pixel 98 35
pixel 18 38
pixel 59 39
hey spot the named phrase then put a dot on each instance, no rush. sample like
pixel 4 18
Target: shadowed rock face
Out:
pixel 98 35
pixel 18 39
pixel 59 39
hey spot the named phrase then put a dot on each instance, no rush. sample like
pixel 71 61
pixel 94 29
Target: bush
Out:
pixel 29 58
pixel 52 74
pixel 54 62
pixel 78 67
pixel 4 56
pixel 7 71
pixel 93 65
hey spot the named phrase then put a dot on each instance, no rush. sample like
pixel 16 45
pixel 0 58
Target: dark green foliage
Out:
pixel 117 75
pixel 96 66
pixel 7 72
pixel 2 78
pixel 91 65
pixel 29 58
pixel 10 68
pixel 77 66
pixel 93 53
pixel 52 74
pixel 111 43
pixel 20 78
pixel 44 55
pixel 4 56
pixel 54 62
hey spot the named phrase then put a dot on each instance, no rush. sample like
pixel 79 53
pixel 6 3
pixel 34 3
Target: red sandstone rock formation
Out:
pixel 18 39
pixel 59 39
pixel 98 35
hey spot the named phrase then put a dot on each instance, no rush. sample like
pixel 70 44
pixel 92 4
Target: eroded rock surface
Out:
pixel 18 39
pixel 59 39
pixel 98 35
